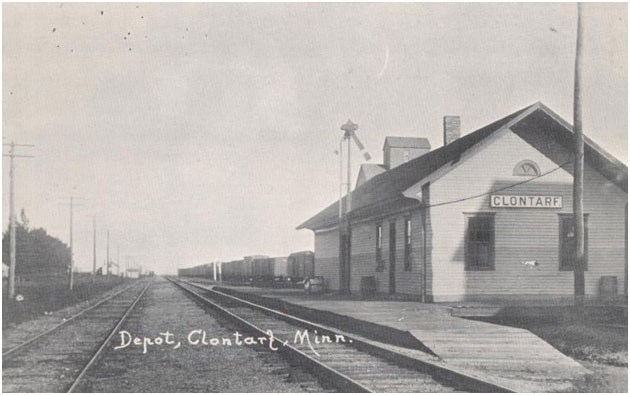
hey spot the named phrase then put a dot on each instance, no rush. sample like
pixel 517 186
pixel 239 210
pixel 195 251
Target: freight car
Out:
pixel 301 265
pixel 248 265
pixel 261 270
pixel 268 270
pixel 205 270
pixel 281 266
pixel 239 271
pixel 233 271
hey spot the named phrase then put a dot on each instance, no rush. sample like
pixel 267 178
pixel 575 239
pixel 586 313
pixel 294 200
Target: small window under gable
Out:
pixel 527 168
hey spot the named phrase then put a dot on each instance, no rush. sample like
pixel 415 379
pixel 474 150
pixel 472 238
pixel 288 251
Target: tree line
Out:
pixel 36 252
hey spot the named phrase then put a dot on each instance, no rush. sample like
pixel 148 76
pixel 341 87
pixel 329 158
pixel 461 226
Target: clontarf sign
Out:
pixel 525 201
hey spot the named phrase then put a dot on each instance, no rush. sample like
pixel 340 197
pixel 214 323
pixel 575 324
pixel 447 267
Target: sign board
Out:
pixel 526 201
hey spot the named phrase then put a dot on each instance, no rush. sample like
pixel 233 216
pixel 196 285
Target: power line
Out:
pixel 500 189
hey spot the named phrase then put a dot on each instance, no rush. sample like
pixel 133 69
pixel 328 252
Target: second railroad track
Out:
pixel 57 359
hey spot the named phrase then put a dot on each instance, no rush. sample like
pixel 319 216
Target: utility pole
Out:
pixel 71 250
pixel 578 171
pixel 94 252
pixel 12 222
pixel 71 274
pixel 118 259
pixel 12 155
pixel 107 254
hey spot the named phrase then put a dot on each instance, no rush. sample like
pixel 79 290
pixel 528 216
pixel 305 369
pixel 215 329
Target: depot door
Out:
pixel 344 267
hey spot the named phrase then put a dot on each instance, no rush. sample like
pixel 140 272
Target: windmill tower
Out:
pixel 350 130
pixel 345 253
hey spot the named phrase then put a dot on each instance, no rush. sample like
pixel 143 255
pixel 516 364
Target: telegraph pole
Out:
pixel 108 254
pixel 94 247
pixel 578 173
pixel 12 222
pixel 118 259
pixel 12 155
pixel 71 276
pixel 71 250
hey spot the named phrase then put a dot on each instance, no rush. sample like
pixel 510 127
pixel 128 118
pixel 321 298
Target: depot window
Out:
pixel 479 254
pixel 380 265
pixel 408 244
pixel 527 168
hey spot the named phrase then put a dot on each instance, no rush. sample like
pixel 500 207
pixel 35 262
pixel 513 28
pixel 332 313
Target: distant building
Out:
pixel 487 215
pixel 396 151
pixel 133 272
pixel 399 150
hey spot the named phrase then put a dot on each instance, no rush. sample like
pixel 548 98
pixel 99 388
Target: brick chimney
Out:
pixel 451 128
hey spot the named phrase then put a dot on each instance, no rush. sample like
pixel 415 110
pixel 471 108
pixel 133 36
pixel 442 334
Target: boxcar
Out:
pixel 280 266
pixel 204 270
pixel 262 270
pixel 269 269
pixel 232 271
pixel 247 265
pixel 301 265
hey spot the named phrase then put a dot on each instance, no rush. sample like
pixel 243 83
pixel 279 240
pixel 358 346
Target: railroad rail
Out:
pixel 349 366
pixel 71 347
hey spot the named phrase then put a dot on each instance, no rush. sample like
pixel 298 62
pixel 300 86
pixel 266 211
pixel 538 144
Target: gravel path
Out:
pixel 188 368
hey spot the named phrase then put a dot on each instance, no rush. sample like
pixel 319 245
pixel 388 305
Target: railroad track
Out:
pixel 56 360
pixel 189 368
pixel 351 365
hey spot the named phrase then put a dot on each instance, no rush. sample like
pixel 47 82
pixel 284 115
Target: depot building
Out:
pixel 487 215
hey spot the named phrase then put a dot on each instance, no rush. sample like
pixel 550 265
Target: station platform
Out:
pixel 514 358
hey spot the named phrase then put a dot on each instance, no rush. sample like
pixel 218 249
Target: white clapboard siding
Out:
pixel 522 234
pixel 327 258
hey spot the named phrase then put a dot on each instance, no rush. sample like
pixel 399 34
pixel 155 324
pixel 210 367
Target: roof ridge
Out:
pixel 389 185
pixel 507 120
pixel 426 163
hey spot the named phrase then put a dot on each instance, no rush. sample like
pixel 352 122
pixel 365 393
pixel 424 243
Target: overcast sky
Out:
pixel 197 132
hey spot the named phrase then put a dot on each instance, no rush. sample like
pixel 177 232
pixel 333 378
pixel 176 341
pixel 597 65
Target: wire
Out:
pixel 500 189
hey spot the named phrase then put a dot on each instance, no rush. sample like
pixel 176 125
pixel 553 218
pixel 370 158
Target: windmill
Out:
pixel 350 129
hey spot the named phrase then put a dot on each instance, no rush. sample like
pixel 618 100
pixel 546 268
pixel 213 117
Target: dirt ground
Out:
pixel 44 295
pixel 598 340
pixel 605 378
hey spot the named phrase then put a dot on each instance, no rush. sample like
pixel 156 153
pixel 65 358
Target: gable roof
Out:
pixel 407 142
pixel 371 170
pixel 386 189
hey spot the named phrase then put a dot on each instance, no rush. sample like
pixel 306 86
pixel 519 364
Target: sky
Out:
pixel 199 132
